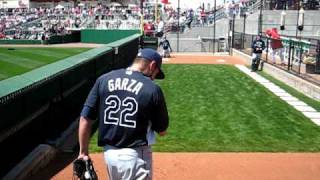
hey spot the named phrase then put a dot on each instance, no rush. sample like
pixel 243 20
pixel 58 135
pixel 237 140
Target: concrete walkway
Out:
pixel 305 109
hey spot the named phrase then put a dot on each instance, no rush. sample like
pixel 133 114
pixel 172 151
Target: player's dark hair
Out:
pixel 142 60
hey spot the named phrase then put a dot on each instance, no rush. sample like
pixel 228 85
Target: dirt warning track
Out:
pixel 202 59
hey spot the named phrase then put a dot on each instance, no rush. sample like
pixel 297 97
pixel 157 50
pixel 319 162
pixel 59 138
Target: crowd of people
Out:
pixel 292 4
pixel 36 23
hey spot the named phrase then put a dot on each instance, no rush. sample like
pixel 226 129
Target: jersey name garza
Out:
pixel 126 103
pixel 125 84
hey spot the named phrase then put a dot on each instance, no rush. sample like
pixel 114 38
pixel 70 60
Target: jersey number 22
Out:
pixel 120 112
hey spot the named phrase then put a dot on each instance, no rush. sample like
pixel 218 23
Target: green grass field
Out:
pixel 217 108
pixel 14 61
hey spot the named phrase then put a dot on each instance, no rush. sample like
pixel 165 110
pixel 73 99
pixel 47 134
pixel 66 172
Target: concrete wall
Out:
pixel 199 39
pixel 295 82
pixel 272 19
pixel 190 39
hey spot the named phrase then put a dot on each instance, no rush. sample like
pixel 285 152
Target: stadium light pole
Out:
pixel 233 22
pixel 178 26
pixel 141 16
pixel 300 24
pixel 214 27
pixel 260 18
pixel 156 12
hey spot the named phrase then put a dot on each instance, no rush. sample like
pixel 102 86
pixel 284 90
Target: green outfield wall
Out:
pixel 105 36
pixel 37 106
pixel 150 42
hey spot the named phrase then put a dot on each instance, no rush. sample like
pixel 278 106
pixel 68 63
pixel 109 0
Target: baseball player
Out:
pixel 130 107
pixel 166 47
pixel 258 46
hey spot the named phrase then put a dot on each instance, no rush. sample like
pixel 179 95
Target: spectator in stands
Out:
pixel 227 8
pixel 160 28
pixel 148 29
pixel 203 18
pixel 232 9
pixel 189 18
pixel 43 38
pixel 2 36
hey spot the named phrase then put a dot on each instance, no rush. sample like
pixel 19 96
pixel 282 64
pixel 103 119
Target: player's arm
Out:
pixel 84 136
pixel 160 44
pixel 169 46
pixel 88 113
pixel 263 45
pixel 253 45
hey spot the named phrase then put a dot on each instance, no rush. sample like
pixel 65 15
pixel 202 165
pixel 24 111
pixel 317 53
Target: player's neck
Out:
pixel 135 67
pixel 138 68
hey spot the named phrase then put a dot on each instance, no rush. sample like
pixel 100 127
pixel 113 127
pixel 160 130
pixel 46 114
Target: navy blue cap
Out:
pixel 152 55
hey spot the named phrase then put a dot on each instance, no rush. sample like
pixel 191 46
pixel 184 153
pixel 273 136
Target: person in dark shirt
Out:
pixel 257 46
pixel 130 108
pixel 166 47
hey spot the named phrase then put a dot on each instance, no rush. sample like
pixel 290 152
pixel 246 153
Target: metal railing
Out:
pixel 255 6
pixel 300 57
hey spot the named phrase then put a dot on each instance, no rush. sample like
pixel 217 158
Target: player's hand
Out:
pixel 162 133
pixel 83 156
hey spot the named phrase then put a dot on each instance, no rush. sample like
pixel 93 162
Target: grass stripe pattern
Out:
pixel 14 61
pixel 217 108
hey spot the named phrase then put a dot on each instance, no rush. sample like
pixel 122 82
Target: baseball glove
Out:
pixel 84 170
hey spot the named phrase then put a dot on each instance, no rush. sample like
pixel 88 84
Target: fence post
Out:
pixel 242 40
pixel 289 54
pixel 233 22
pixel 317 68
pixel 229 36
pixel 267 51
pixel 252 37
pixel 300 56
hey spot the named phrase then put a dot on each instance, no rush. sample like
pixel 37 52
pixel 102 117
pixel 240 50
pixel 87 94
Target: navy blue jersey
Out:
pixel 165 44
pixel 126 102
pixel 258 46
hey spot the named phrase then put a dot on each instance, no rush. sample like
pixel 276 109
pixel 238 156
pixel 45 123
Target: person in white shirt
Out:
pixel 160 28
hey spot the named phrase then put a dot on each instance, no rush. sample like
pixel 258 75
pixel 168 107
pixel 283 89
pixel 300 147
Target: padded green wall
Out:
pixel 105 36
